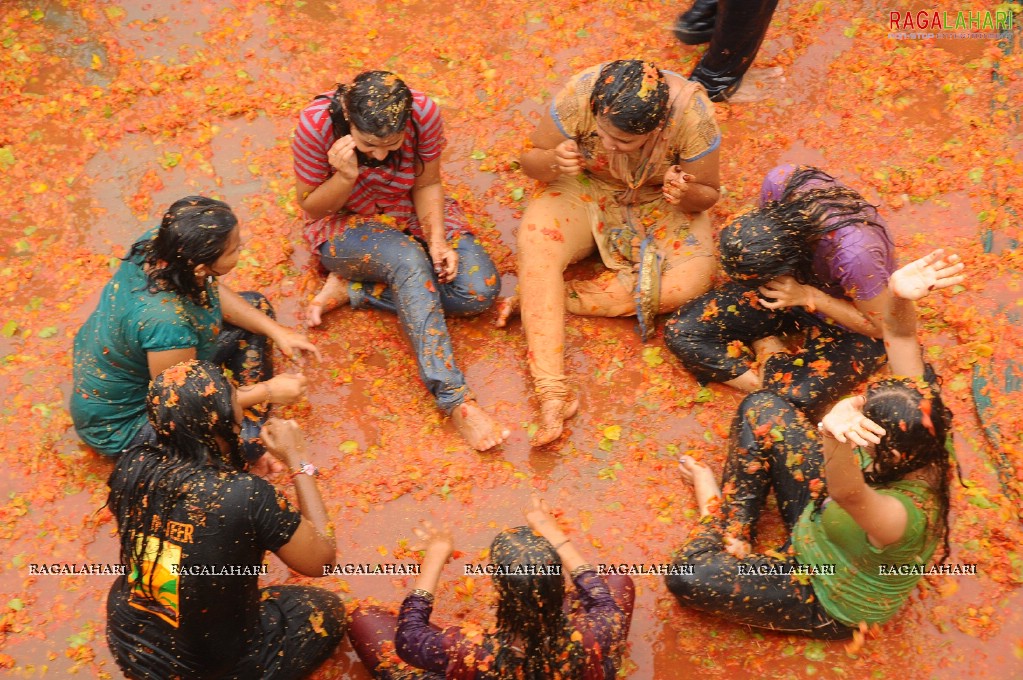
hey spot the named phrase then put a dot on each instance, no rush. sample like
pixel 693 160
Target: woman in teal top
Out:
pixel 165 305
pixel 859 544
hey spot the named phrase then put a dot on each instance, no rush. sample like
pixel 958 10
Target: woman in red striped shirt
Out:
pixel 367 167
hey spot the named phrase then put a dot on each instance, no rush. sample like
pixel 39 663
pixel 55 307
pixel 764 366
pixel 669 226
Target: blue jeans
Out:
pixel 377 253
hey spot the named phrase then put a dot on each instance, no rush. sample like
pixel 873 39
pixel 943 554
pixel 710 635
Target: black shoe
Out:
pixel 696 25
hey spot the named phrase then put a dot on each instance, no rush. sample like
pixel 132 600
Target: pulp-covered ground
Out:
pixel 112 110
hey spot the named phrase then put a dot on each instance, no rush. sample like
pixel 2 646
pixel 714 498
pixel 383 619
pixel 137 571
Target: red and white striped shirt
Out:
pixel 378 191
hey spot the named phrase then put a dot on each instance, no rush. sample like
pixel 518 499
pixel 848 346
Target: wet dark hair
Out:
pixel 917 425
pixel 777 239
pixel 530 607
pixel 378 103
pixel 190 407
pixel 632 95
pixel 194 231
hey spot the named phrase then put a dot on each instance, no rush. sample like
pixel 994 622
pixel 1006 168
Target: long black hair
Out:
pixel 194 231
pixel 191 408
pixel 778 239
pixel 530 609
pixel 378 103
pixel 917 427
pixel 632 95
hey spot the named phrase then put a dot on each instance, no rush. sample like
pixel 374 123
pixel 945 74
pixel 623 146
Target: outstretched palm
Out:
pixel 931 272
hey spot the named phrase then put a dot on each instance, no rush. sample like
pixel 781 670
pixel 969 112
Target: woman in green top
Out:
pixel 166 305
pixel 859 545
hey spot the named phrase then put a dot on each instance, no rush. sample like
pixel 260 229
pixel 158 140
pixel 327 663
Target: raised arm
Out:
pixel 881 516
pixel 915 281
pixel 313 546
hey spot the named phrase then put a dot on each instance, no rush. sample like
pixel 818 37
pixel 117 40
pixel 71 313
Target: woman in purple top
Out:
pixel 539 634
pixel 812 261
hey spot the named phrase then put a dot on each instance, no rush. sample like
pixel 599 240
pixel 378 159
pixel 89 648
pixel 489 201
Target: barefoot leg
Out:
pixel 553 414
pixel 477 427
pixel 507 308
pixel 333 294
pixel 704 485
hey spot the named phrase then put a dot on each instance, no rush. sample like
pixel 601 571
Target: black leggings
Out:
pixel 739 29
pixel 773 446
pixel 247 356
pixel 712 334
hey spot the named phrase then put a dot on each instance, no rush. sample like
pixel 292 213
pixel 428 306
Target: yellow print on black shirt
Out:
pixel 154 588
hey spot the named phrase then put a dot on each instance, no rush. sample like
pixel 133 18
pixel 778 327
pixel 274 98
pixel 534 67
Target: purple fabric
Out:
pixel 421 645
pixel 853 262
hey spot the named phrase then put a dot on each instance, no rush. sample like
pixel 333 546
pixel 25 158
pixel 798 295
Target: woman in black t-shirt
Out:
pixel 194 530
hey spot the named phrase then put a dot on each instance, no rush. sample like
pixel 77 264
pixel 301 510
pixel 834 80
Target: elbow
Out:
pixel 311 212
pixel 847 495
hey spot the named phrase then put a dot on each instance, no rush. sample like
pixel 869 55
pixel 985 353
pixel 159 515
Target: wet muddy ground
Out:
pixel 114 110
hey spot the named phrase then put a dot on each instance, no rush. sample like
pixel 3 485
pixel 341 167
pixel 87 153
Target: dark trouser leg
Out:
pixel 735 590
pixel 711 335
pixel 302 626
pixel 372 635
pixel 738 32
pixel 833 362
pixel 247 356
pixel 773 445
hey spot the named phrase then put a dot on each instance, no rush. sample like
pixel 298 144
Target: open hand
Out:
pixel 846 423
pixel 785 291
pixel 933 271
pixel 438 541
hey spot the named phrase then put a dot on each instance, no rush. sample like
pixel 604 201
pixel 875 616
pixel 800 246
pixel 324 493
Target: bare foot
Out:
pixel 757 84
pixel 477 427
pixel 702 478
pixel 333 294
pixel 507 308
pixel 553 414
pixel 266 465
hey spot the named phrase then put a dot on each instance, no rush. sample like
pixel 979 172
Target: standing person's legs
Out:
pixel 247 356
pixel 555 232
pixel 739 30
pixel 712 335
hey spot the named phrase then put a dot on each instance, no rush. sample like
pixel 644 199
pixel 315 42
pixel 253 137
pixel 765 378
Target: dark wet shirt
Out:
pixel 601 624
pixel 202 612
